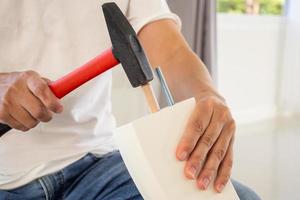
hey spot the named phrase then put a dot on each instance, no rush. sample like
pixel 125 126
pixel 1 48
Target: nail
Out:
pixel 220 187
pixel 205 183
pixel 193 172
pixel 183 156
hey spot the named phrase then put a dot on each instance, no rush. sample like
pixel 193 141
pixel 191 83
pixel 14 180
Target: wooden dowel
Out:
pixel 150 97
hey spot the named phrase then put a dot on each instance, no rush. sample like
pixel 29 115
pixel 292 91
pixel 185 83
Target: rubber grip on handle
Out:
pixel 79 76
pixel 76 78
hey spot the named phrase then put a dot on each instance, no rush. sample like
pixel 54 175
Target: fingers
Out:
pixel 36 108
pixel 196 160
pixel 216 156
pixel 41 90
pixel 225 168
pixel 12 122
pixel 196 126
pixel 23 117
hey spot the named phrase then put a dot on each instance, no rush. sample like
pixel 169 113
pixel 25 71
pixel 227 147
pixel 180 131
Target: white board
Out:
pixel 148 146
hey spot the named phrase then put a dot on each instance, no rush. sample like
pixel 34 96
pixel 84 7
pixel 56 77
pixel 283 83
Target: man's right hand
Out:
pixel 26 100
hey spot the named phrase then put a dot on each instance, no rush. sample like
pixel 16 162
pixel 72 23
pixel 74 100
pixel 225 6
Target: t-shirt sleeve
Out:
pixel 142 12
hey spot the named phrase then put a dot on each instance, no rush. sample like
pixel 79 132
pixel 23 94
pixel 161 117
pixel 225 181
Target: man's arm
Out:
pixel 207 142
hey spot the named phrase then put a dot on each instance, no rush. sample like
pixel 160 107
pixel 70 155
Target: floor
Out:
pixel 267 158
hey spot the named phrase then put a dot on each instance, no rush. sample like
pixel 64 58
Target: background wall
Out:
pixel 259 69
pixel 249 54
pixel 290 67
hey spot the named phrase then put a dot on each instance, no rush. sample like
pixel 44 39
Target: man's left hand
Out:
pixel 207 143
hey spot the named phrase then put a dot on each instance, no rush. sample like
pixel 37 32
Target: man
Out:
pixel 73 156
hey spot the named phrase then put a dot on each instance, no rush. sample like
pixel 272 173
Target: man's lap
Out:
pixel 103 178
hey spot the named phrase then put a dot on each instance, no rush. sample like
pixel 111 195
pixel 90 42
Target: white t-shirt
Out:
pixel 53 38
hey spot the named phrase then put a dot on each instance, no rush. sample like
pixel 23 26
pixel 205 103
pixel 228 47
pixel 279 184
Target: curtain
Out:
pixel 289 98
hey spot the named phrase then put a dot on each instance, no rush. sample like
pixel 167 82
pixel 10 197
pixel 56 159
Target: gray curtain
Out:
pixel 199 28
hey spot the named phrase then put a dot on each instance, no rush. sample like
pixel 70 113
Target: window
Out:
pixel 263 7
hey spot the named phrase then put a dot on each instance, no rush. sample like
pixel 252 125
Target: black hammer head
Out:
pixel 126 46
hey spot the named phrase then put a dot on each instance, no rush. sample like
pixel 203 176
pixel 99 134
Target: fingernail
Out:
pixel 220 187
pixel 192 172
pixel 204 183
pixel 183 156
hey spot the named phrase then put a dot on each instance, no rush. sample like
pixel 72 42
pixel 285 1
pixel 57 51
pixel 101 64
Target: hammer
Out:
pixel 126 49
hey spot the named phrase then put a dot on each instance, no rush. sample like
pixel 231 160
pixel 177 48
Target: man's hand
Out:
pixel 207 143
pixel 26 100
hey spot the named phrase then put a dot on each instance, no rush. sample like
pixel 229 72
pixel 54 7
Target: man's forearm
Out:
pixel 185 73
pixel 193 81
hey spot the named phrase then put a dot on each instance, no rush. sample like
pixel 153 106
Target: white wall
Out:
pixel 290 69
pixel 249 49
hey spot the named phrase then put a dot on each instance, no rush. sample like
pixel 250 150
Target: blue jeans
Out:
pixel 104 178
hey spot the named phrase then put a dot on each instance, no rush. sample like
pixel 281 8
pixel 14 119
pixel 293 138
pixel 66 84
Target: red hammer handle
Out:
pixel 88 71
